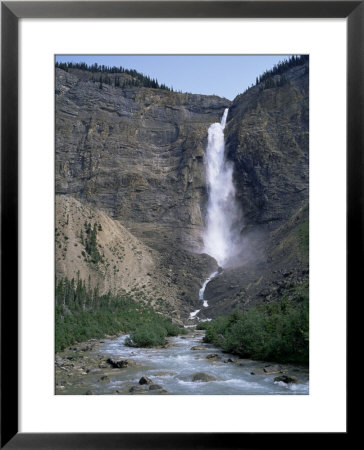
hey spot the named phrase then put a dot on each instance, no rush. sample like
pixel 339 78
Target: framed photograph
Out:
pixel 171 222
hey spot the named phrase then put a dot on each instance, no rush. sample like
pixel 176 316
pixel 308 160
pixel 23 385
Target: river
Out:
pixel 172 368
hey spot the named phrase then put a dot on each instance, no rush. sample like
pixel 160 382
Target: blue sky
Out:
pixel 223 75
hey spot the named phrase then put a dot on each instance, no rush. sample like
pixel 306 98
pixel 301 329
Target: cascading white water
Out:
pixel 222 211
pixel 202 290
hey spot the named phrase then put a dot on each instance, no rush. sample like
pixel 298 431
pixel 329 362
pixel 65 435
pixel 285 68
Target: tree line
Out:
pixel 281 67
pixel 137 78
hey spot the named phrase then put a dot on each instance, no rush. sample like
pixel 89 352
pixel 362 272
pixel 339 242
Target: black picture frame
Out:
pixel 11 12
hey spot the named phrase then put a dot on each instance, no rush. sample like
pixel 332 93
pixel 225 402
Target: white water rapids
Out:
pixel 173 369
pixel 222 211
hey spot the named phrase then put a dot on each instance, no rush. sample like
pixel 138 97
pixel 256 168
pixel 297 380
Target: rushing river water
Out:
pixel 173 368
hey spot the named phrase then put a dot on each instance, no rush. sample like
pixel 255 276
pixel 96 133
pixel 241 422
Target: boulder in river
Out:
pixel 145 380
pixel 286 379
pixel 213 357
pixel 164 374
pixel 119 364
pixel 272 369
pixel 60 362
pixel 94 371
pixel 258 372
pixel 157 388
pixel 198 347
pixel 203 376
pixel 267 370
pixel 104 379
pixel 84 348
pixel 138 389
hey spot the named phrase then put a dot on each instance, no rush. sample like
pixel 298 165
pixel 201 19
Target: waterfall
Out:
pixel 222 211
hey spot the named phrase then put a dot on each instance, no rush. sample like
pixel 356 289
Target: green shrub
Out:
pixel 90 242
pixel 154 333
pixel 173 329
pixel 82 313
pixel 202 326
pixel 277 332
pixel 148 335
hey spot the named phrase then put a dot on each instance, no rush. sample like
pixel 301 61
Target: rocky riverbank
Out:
pixel 185 365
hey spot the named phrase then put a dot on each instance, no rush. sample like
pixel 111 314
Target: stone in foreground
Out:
pixel 138 389
pixel 145 380
pixel 198 347
pixel 213 357
pixel 104 379
pixel 118 364
pixel 203 376
pixel 158 388
pixel 286 379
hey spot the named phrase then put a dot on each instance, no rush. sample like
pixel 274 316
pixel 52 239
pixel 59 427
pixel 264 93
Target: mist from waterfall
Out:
pixel 223 214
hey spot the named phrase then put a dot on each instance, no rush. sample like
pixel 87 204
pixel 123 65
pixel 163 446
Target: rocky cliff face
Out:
pixel 267 139
pixel 136 153
pixel 135 156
